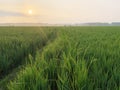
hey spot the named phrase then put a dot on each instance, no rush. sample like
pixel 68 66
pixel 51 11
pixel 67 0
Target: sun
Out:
pixel 30 12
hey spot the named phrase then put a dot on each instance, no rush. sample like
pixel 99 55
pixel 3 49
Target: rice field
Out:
pixel 17 42
pixel 73 58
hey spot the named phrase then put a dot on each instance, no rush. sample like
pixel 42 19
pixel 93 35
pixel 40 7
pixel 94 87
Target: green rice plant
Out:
pixel 31 78
pixel 16 43
pixel 80 58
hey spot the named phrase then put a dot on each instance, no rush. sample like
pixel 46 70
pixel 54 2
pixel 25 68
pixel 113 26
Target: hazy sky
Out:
pixel 59 11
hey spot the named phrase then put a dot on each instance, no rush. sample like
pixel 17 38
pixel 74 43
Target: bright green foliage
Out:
pixel 17 42
pixel 32 79
pixel 81 58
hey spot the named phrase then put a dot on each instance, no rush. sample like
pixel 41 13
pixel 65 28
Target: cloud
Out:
pixel 9 13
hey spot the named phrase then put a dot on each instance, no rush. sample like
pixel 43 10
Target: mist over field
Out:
pixel 59 11
pixel 59 45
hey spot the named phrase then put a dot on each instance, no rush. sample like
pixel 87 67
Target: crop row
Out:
pixel 81 58
pixel 16 43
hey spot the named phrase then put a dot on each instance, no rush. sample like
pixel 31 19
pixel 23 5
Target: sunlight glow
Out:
pixel 30 12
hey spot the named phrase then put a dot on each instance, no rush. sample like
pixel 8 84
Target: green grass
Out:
pixel 16 43
pixel 80 58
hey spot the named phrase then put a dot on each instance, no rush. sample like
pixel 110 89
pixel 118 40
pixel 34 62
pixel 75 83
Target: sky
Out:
pixel 59 11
